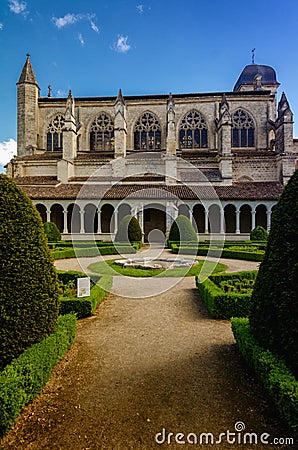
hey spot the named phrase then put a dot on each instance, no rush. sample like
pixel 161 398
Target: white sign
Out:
pixel 83 287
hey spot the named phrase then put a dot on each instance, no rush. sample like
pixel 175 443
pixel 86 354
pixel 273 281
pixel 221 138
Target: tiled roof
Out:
pixel 238 191
pixel 33 181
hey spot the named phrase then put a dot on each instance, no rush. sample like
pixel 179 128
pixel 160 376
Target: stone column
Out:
pixel 171 128
pixel 269 212
pixel 222 221
pixel 140 217
pixel 237 220
pixel 116 217
pixel 82 225
pixel 48 215
pixel 99 220
pixel 120 126
pixel 253 218
pixel 65 229
pixel 206 220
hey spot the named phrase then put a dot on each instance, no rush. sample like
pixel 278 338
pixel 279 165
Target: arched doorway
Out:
pixel 107 218
pixel 245 219
pixel 214 219
pixel 42 211
pixel 154 223
pixel 73 218
pixel 90 218
pixel 261 216
pixel 57 216
pixel 230 218
pixel 123 210
pixel 199 218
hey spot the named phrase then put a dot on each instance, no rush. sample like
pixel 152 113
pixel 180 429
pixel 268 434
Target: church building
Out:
pixel 220 158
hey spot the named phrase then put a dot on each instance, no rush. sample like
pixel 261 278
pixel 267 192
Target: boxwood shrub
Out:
pixel 220 304
pixel 275 376
pixel 51 231
pixel 23 379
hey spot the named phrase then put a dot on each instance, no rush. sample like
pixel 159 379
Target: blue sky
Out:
pixel 145 47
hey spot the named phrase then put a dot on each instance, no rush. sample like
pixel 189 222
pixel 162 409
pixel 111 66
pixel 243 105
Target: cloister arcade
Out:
pixel 85 218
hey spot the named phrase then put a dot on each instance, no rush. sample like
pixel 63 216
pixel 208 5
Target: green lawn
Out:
pixel 203 268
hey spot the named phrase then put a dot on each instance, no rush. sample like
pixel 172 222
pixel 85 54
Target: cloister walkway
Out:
pixel 141 365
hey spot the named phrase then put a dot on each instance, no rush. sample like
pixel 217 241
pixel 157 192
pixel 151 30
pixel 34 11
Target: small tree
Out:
pixel 182 230
pixel 259 234
pixel 129 230
pixel 29 298
pixel 274 316
pixel 52 232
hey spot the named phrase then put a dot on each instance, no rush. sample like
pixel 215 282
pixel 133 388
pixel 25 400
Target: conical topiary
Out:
pixel 182 230
pixel 274 316
pixel 52 232
pixel 129 230
pixel 259 234
pixel 29 299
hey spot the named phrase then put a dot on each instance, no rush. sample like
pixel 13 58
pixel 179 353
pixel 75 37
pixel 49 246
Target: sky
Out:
pixel 95 47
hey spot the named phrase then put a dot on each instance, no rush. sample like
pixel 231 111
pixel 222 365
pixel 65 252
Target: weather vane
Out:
pixel 253 55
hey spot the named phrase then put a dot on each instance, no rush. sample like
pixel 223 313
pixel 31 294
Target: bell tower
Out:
pixel 27 110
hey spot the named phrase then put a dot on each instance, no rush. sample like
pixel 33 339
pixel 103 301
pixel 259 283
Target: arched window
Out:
pixel 147 133
pixel 193 132
pixel 102 134
pixel 55 135
pixel 243 129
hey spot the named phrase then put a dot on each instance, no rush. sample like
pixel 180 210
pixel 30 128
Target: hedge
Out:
pixel 220 304
pixel 275 376
pixel 84 306
pixel 91 251
pixel 213 252
pixel 24 378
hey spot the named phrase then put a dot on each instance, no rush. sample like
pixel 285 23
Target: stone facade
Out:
pixel 238 140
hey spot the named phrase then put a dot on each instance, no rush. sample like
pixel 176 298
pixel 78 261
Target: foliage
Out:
pixel 129 230
pixel 29 297
pixel 259 234
pixel 51 231
pixel 182 230
pixel 83 306
pixel 224 305
pixel 271 371
pixel 217 252
pixel 274 317
pixel 24 378
pixel 91 251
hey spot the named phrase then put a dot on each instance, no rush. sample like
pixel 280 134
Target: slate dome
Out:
pixel 249 72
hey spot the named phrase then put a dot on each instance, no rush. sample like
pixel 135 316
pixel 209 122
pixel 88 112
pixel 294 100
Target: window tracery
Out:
pixel 147 133
pixel 55 134
pixel 193 131
pixel 102 134
pixel 243 129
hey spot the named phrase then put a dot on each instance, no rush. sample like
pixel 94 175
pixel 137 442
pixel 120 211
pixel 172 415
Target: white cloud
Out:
pixel 1 26
pixel 18 7
pixel 81 39
pixel 61 93
pixel 71 19
pixel 68 19
pixel 140 8
pixel 121 45
pixel 7 150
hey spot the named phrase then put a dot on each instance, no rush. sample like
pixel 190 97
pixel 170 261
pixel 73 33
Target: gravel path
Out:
pixel 141 365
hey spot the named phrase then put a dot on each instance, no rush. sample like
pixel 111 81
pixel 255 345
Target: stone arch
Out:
pixel 73 218
pixel 184 210
pixel 57 216
pixel 245 179
pixel 107 218
pixel 124 209
pixel 42 211
pixel 245 219
pixel 230 218
pixel 154 221
pixel 261 216
pixel 199 217
pixel 90 218
pixel 214 218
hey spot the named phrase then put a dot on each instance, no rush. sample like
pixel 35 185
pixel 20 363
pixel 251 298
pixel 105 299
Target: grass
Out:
pixel 203 269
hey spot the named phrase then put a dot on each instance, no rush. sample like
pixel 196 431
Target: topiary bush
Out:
pixel 182 230
pixel 29 298
pixel 274 316
pixel 52 232
pixel 259 234
pixel 129 230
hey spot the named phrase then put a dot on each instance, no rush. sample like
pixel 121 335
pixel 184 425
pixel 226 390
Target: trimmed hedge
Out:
pixel 24 378
pixel 213 252
pixel 277 379
pixel 182 230
pixel 129 230
pixel 259 234
pixel 29 297
pixel 89 252
pixel 51 231
pixel 84 306
pixel 220 304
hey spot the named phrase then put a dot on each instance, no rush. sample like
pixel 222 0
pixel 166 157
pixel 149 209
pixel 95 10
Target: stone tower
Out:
pixel 27 106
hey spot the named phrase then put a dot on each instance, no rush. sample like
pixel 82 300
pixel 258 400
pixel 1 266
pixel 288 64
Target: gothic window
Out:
pixel 55 135
pixel 193 132
pixel 243 129
pixel 102 134
pixel 147 133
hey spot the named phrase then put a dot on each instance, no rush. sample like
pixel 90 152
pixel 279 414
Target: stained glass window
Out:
pixel 243 129
pixel 102 134
pixel 147 133
pixel 55 134
pixel 193 132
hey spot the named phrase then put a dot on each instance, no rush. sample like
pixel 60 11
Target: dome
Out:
pixel 249 72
